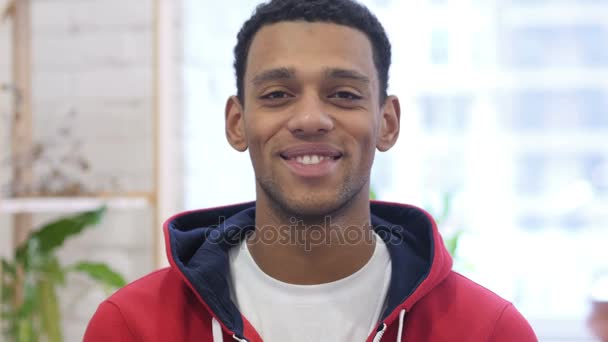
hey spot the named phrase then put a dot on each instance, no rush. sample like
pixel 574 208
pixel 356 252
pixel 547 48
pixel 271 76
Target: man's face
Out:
pixel 312 117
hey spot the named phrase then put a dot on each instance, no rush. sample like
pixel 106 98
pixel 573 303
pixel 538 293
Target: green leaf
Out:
pixel 7 289
pixel 49 311
pixel 7 310
pixel 26 331
pixel 7 267
pixel 52 270
pixel 100 272
pixel 451 243
pixel 21 321
pixel 445 209
pixel 6 314
pixel 7 278
pixel 30 303
pixel 464 265
pixel 53 235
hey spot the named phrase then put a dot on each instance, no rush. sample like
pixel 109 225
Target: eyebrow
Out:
pixel 347 74
pixel 288 73
pixel 274 75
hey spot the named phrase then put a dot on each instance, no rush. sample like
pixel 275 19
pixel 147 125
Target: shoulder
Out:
pixel 158 291
pixel 460 295
pixel 134 311
pixel 467 290
pixel 148 287
pixel 464 307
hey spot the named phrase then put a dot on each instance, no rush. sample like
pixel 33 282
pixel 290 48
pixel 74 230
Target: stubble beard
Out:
pixel 307 208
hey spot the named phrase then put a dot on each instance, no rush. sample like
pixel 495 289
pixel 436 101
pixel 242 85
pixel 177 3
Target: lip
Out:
pixel 323 150
pixel 323 168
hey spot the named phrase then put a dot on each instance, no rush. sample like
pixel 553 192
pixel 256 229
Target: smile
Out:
pixel 311 160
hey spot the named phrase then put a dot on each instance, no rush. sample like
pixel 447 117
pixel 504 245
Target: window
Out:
pixel 439 53
pixel 449 114
pixel 545 46
pixel 550 110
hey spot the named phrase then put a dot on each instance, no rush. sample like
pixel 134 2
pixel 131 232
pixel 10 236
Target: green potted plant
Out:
pixel 451 240
pixel 441 216
pixel 29 307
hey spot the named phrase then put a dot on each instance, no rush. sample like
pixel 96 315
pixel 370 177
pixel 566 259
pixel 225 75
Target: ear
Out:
pixel 235 124
pixel 388 131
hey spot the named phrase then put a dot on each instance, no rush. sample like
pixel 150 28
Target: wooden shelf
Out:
pixel 71 204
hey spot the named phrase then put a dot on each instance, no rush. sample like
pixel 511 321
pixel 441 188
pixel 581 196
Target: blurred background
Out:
pixel 504 136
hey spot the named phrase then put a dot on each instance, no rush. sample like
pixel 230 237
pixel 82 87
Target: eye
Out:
pixel 275 95
pixel 346 95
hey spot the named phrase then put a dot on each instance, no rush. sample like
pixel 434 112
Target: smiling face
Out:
pixel 312 117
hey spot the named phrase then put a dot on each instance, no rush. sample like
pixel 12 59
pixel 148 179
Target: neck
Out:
pixel 312 250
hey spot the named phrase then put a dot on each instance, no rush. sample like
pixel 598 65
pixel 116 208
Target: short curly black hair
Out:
pixel 342 12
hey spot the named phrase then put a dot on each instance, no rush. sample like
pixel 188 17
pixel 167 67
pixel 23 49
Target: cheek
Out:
pixel 363 134
pixel 259 128
pixel 260 131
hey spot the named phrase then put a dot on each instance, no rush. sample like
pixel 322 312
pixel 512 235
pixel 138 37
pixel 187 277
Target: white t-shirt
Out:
pixel 343 310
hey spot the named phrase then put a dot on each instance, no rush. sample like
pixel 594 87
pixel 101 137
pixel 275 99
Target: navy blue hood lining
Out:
pixel 200 241
pixel 410 246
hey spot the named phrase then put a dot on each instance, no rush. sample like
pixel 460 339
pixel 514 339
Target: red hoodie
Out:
pixel 190 301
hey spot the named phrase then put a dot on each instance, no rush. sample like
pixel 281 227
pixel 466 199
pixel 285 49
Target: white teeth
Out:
pixel 310 159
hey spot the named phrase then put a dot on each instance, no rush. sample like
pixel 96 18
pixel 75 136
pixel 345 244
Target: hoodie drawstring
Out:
pixel 382 328
pixel 218 336
pixel 380 333
pixel 400 331
pixel 217 330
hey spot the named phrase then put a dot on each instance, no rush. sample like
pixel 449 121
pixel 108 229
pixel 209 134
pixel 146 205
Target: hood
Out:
pixel 197 244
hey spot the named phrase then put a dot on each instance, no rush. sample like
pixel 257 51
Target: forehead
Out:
pixel 309 47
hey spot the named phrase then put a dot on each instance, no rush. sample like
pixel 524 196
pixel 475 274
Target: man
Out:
pixel 311 259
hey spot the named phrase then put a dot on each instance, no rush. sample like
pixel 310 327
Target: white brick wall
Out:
pixel 93 69
pixel 94 58
pixel 92 15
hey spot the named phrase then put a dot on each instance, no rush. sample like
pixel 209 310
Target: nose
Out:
pixel 310 118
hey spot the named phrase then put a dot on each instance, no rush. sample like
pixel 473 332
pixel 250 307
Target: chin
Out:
pixel 312 209
pixel 309 205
